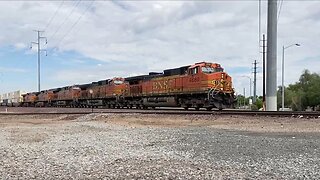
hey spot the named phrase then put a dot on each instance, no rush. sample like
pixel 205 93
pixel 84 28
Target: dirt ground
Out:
pixel 137 146
pixel 240 123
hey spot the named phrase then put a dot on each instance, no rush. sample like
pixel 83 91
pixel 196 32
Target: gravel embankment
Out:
pixel 91 147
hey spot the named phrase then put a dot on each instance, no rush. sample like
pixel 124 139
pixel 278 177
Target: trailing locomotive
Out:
pixel 202 85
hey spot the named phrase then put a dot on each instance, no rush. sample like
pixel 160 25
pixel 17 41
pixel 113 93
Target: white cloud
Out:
pixel 20 45
pixel 12 70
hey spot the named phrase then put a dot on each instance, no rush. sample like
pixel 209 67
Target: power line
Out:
pixel 54 15
pixel 65 20
pixel 75 23
pixel 280 6
pixel 259 25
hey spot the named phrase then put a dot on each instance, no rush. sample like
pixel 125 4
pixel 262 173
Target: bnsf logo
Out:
pixel 223 83
pixel 216 82
pixel 161 84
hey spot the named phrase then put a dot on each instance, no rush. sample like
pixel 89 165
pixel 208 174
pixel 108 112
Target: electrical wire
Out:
pixel 75 23
pixel 280 6
pixel 54 15
pixel 259 25
pixel 65 20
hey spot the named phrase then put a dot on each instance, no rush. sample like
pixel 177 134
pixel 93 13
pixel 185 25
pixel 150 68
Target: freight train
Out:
pixel 201 85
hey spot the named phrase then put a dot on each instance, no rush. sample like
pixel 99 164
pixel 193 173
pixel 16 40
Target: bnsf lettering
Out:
pixel 161 84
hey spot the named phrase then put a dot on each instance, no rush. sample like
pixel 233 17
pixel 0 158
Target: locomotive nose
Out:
pixel 221 82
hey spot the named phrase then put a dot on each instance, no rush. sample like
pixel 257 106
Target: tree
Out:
pixel 258 104
pixel 304 93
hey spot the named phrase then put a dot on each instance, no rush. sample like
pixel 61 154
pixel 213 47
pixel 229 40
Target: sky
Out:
pixel 94 40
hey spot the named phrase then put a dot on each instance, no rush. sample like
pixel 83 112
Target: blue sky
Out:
pixel 89 41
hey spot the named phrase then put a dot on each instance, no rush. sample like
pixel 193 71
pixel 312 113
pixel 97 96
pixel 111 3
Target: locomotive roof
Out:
pixel 143 77
pixel 167 72
pixel 84 86
pixel 176 71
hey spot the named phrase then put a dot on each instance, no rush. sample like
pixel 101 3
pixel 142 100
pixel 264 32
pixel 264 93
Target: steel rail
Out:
pixel 300 114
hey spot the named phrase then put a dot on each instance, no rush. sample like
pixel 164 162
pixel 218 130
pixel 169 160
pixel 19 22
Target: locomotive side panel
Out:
pixel 163 86
pixel 135 90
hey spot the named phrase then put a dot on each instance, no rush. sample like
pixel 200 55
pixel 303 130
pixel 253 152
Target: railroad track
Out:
pixel 169 111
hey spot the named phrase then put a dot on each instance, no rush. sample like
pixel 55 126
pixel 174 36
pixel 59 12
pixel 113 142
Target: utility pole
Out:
pixel 254 81
pixel 264 71
pixel 38 43
pixel 244 98
pixel 271 93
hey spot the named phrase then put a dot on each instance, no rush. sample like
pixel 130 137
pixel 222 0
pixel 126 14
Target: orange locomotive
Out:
pixel 45 98
pixel 202 85
pixel 109 93
pixel 30 99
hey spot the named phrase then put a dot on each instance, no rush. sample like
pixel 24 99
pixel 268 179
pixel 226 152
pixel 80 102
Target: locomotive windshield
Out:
pixel 117 82
pixel 209 70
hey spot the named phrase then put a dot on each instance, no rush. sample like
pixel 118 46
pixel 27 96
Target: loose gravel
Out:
pixel 93 147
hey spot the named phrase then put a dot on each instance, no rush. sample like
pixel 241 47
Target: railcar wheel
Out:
pixel 209 108
pixel 197 108
pixel 186 108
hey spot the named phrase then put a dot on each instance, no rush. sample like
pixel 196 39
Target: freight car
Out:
pixel 202 85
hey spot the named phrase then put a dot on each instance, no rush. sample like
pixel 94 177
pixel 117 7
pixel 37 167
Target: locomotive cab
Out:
pixel 210 77
pixel 116 87
pixel 204 68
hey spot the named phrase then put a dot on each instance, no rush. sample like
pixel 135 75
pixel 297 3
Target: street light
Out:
pixel 91 92
pixel 282 88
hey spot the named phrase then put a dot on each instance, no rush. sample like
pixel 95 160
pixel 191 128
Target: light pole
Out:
pixel 282 87
pixel 244 98
pixel 91 92
pixel 249 88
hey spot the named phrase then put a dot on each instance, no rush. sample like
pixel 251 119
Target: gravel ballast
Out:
pixel 93 146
